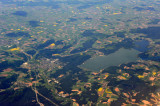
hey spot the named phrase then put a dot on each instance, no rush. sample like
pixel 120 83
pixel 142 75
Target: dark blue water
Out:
pixel 17 34
pixel 20 13
pixel 151 32
pixel 142 45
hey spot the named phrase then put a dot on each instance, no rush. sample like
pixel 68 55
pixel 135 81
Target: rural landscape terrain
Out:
pixel 79 52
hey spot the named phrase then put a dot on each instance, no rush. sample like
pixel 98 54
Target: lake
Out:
pixel 121 56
